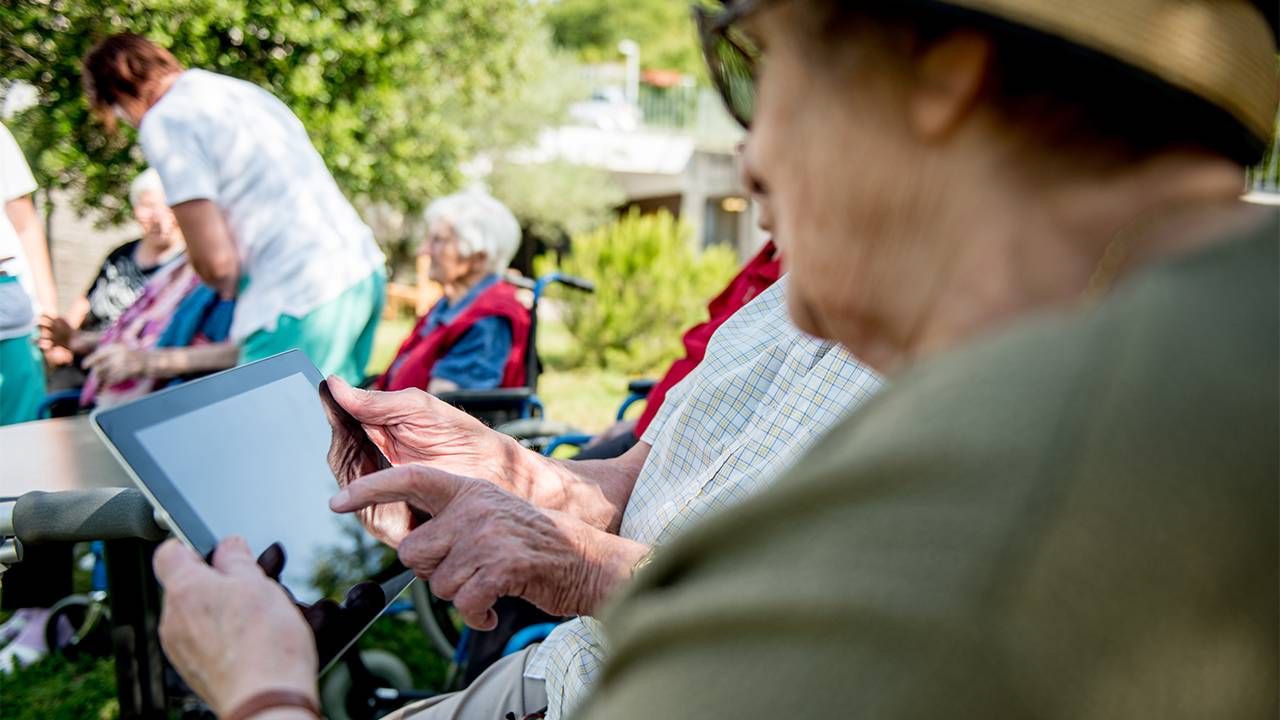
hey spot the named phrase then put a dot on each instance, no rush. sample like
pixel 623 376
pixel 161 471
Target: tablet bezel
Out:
pixel 118 427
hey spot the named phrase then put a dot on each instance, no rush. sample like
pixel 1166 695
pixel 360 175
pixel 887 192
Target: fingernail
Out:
pixel 340 499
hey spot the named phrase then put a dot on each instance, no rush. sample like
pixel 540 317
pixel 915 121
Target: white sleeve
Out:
pixel 172 146
pixel 15 176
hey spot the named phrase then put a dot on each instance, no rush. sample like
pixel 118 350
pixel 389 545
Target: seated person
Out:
pixel 1064 503
pixel 475 337
pixel 119 281
pixel 764 393
pixel 127 268
pixel 178 326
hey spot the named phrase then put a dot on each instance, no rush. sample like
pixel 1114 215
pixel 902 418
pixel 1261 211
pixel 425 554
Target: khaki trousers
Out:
pixel 499 691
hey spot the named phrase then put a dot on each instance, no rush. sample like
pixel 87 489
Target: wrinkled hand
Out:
pixel 352 456
pixel 116 363
pixel 229 630
pixel 410 426
pixel 483 543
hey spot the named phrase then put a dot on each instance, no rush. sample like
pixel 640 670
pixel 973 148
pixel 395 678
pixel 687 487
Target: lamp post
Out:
pixel 630 49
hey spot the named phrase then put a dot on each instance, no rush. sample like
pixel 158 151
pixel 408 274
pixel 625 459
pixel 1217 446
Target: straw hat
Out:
pixel 1222 51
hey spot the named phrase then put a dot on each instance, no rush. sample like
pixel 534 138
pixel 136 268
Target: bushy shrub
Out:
pixel 652 283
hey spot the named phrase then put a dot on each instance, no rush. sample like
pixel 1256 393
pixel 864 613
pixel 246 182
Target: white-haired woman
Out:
pixel 123 273
pixel 128 267
pixel 474 338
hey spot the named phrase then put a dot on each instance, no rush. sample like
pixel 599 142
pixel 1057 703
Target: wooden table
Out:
pixel 59 454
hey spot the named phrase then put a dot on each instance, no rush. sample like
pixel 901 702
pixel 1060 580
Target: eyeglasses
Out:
pixel 731 56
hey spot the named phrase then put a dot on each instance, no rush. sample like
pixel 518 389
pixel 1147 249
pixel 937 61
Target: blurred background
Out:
pixel 591 119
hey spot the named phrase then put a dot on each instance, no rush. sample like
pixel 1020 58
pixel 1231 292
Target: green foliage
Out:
pixel 593 28
pixel 395 93
pixel 555 201
pixel 59 689
pixel 651 285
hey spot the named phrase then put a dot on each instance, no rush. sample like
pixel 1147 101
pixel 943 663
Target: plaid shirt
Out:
pixel 764 394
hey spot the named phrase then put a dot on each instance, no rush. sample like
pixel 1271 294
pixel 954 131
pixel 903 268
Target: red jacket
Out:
pixel 420 353
pixel 759 273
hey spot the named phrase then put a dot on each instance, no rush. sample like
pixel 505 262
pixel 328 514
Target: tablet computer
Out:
pixel 251 451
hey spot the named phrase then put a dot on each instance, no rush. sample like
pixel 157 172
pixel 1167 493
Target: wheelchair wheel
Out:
pixel 79 624
pixel 335 694
pixel 535 433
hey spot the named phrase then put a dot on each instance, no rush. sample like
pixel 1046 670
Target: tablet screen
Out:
pixel 247 452
pixel 256 465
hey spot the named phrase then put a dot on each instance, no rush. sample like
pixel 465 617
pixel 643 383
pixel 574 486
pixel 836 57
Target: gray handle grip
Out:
pixel 80 515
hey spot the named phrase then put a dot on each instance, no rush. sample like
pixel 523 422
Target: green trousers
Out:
pixel 337 336
pixel 21 380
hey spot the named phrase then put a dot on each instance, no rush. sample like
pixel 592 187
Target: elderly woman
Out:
pixel 127 268
pixel 264 221
pixel 474 338
pixel 123 273
pixel 1063 504
pixel 147 317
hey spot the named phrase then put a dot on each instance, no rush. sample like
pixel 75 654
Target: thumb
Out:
pixel 367 406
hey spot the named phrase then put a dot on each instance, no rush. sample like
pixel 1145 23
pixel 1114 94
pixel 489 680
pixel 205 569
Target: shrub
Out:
pixel 59 689
pixel 651 285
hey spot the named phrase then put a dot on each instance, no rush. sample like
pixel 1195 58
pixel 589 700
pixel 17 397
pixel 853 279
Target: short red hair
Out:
pixel 123 66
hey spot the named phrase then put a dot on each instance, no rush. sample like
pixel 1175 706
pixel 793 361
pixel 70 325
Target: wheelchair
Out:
pixel 519 412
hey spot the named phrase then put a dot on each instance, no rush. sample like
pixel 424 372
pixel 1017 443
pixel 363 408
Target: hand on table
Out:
pixel 483 543
pixel 230 631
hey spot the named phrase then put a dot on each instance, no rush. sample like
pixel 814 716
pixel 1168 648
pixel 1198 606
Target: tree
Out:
pixel 593 28
pixel 396 94
pixel 555 200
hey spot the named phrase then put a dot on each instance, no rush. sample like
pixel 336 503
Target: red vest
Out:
pixel 420 354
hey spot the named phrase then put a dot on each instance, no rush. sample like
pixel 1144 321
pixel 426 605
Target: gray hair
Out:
pixel 481 224
pixel 147 181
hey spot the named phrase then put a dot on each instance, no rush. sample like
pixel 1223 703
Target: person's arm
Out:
pixel 26 222
pixel 253 639
pixel 117 363
pixel 60 332
pixel 172 362
pixel 483 543
pixel 78 312
pixel 410 426
pixel 209 245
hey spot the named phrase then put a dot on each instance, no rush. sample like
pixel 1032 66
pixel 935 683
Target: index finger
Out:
pixel 233 557
pixel 424 488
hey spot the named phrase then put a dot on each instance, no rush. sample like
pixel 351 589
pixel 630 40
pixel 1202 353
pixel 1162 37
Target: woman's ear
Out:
pixel 948 77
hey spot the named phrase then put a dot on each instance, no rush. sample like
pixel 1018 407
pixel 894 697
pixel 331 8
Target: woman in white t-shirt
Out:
pixel 263 218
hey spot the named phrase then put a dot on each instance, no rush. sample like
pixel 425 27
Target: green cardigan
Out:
pixel 1076 518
